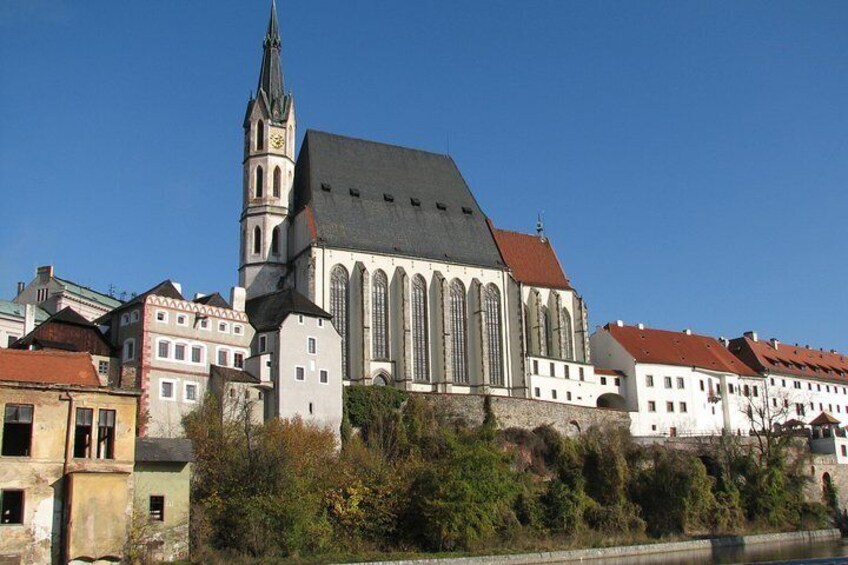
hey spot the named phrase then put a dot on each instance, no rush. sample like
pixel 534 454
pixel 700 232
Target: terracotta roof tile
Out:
pixel 677 348
pixel 762 356
pixel 609 372
pixel 531 259
pixel 47 367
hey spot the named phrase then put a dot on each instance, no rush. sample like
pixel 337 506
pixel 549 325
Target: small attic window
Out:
pixel 388 197
pixel 326 187
pixel 441 206
pixel 415 201
pixel 466 210
pixel 354 192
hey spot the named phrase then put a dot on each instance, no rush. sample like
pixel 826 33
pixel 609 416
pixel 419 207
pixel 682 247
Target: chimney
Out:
pixel 45 271
pixel 774 343
pixel 237 297
pixel 724 341
pixel 619 323
pixel 687 331
pixel 751 335
pixel 640 325
pixel 29 318
pixel 178 286
pixel 21 287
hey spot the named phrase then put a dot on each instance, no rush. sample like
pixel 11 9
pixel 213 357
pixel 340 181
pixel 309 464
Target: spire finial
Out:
pixel 540 226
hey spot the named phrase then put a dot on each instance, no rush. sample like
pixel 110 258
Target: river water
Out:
pixel 824 553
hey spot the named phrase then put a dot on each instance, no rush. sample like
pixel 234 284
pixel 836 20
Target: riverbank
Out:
pixel 618 552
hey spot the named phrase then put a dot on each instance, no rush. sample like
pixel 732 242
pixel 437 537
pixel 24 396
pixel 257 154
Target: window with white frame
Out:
pixel 300 319
pixel 125 319
pixel 204 323
pixel 324 376
pixel 320 322
pixel 133 316
pixel 223 327
pixel 299 374
pixel 680 382
pixel 190 392
pixel 103 367
pixel 263 343
pixel 238 329
pixel 238 360
pixel 167 389
pixel 164 349
pixel 311 345
pixel 649 380
pixel 223 357
pixel 129 349
pixel 667 382
pixel 161 316
pixel 179 351
pixel 197 354
pixel 182 320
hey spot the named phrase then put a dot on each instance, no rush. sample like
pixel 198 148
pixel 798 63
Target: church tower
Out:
pixel 269 137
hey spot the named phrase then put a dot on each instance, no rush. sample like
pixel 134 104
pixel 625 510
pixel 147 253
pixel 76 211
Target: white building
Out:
pixel 54 294
pixel 679 383
pixel 17 320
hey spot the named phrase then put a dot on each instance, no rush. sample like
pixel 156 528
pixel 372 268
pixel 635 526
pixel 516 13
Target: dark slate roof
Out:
pixel 163 450
pixel 389 199
pixel 214 299
pixel 267 312
pixel 233 375
pixel 68 315
pixel 164 288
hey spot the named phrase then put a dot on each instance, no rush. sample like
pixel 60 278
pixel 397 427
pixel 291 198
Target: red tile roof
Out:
pixel 47 367
pixel 762 357
pixel 677 348
pixel 531 259
pixel 610 372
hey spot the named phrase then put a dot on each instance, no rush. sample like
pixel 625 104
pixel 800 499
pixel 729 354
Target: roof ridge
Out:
pixel 384 144
pixel 88 288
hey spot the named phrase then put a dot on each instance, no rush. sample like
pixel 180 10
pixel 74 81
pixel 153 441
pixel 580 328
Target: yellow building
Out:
pixel 66 465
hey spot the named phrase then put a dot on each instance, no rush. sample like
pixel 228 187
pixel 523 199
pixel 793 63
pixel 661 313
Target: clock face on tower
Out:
pixel 278 140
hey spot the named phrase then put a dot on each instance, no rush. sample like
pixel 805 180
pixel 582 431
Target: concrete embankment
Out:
pixel 581 555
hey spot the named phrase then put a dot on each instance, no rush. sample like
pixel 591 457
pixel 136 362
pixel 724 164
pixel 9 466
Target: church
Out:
pixel 427 293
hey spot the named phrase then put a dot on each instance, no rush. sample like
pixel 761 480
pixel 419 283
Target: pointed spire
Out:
pixel 271 73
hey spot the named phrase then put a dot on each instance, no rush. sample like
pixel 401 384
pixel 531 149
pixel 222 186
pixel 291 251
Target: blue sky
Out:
pixel 691 158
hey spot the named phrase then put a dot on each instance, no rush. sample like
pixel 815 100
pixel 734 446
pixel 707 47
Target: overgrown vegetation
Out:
pixel 407 479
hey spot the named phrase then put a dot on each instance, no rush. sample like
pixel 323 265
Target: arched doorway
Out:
pixel 381 379
pixel 612 401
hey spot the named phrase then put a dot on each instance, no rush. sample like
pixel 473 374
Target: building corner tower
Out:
pixel 269 138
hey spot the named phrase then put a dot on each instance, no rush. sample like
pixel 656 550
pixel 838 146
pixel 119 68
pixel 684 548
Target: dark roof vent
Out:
pixel 326 187
pixel 466 210
pixel 388 197
pixel 441 206
pixel 415 201
pixel 354 192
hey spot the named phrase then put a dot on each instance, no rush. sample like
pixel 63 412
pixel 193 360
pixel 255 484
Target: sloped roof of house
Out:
pixel 824 419
pixel 165 289
pixel 232 375
pixel 47 367
pixel 15 310
pixel 163 450
pixel 268 311
pixel 67 316
pixel 677 348
pixel 88 293
pixel 531 259
pixel 381 198
pixel 766 356
pixel 214 299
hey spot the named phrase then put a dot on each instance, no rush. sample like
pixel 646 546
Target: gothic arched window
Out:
pixel 547 331
pixel 459 341
pixel 492 329
pixel 277 181
pixel 420 365
pixel 380 318
pixel 257 240
pixel 339 308
pixel 260 182
pixel 275 240
pixel 568 335
pixel 260 135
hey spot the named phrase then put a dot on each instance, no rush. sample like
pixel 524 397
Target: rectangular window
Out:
pixel 582 374
pixel 103 367
pixel 263 343
pixel 568 396
pixel 311 345
pixel 17 430
pixel 649 380
pixel 83 432
pixel 652 406
pixel 41 295
pixel 222 357
pixel 161 316
pixel 730 387
pixel 567 372
pixel 797 384
pixel 196 354
pixel 106 434
pixel 844 451
pixel 182 320
pixel 238 360
pixel 554 394
pixel 129 350
pixel 667 382
pixel 553 370
pixel 157 508
pixel 669 406
pixel 300 319
pixel 179 352
pixel 204 323
pixel 11 507
pixel 679 382
pixel 617 381
pixel 535 367
pixel 320 322
pixel 783 383
pixel 683 407
pixel 299 374
pixel 536 392
pixel 237 329
pixel 164 349
pixel 222 327
pixel 191 392
pixel 603 380
pixel 324 376
pixel 166 390
pixel 756 391
pixel 702 385
pixel 12 339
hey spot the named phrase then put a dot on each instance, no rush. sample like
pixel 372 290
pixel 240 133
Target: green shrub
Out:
pixel 362 402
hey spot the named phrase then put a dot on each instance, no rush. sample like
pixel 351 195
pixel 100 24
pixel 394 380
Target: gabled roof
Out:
pixel 214 299
pixel 677 348
pixel 44 337
pixel 165 288
pixel 15 310
pixel 47 367
pixel 163 450
pixel 267 312
pixel 88 293
pixel 232 375
pixel 380 198
pixel 531 259
pixel 767 357
pixel 824 419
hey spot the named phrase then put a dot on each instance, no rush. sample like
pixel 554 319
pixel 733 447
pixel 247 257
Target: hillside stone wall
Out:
pixel 525 413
